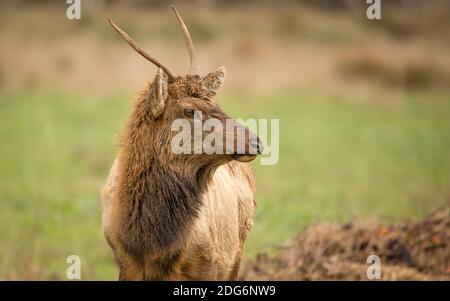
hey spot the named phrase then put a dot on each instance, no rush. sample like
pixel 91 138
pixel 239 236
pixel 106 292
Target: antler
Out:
pixel 140 50
pixel 189 44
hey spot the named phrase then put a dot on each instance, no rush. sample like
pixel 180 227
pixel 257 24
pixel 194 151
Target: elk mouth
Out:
pixel 243 157
pixel 256 148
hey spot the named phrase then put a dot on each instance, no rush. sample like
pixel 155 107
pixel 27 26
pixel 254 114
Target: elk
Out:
pixel 173 216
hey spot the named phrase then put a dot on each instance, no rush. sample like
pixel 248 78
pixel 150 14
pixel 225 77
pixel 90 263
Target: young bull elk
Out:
pixel 174 216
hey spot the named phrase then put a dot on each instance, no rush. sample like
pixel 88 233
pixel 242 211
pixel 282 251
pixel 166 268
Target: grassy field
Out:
pixel 340 159
pixel 363 107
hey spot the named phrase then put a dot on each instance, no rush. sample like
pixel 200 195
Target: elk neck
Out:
pixel 158 201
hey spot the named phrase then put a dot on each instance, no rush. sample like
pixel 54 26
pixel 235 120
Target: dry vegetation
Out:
pixel 410 251
pixel 264 49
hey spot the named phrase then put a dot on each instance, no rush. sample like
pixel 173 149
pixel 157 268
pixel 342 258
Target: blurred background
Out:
pixel 364 110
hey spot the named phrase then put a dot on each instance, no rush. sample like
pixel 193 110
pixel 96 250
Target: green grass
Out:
pixel 339 160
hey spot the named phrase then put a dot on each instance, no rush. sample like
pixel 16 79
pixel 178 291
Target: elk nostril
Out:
pixel 256 144
pixel 260 147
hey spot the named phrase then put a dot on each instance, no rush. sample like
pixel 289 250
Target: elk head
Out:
pixel 189 98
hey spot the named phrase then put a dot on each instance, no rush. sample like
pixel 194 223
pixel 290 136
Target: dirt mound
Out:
pixel 410 251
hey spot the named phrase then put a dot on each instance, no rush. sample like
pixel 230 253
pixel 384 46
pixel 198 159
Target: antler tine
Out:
pixel 189 44
pixel 141 51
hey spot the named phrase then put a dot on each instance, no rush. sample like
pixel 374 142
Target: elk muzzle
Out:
pixel 247 144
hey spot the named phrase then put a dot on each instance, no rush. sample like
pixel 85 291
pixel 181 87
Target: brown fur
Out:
pixel 176 217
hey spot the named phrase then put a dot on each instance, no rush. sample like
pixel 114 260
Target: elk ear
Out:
pixel 213 81
pixel 157 93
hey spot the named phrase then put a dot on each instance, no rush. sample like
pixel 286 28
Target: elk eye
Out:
pixel 189 113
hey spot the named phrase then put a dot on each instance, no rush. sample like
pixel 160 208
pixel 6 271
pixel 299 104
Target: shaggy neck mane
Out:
pixel 157 202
